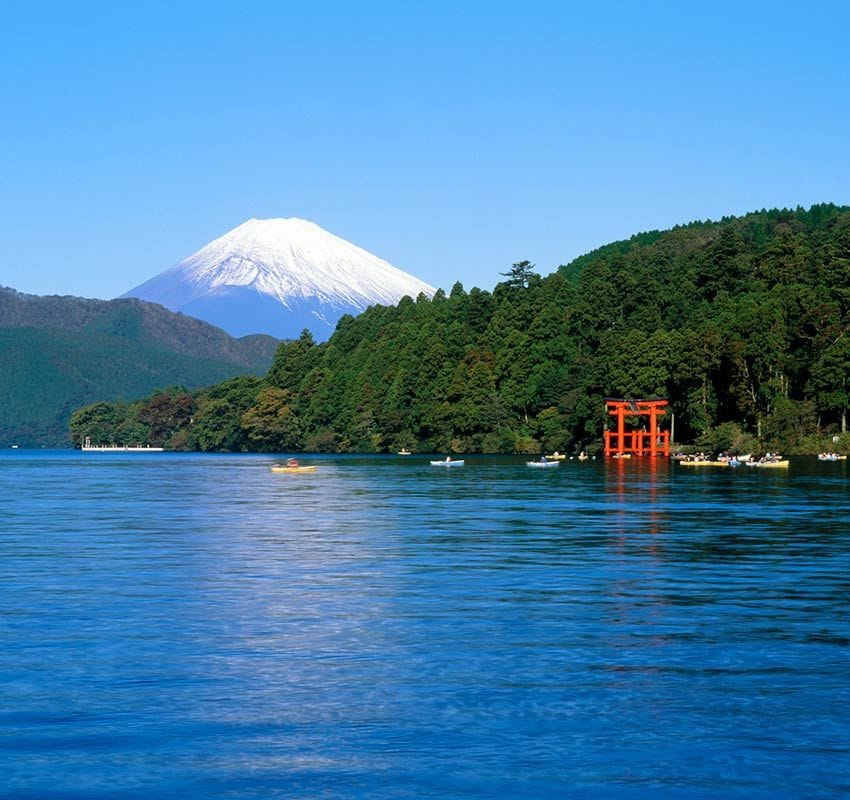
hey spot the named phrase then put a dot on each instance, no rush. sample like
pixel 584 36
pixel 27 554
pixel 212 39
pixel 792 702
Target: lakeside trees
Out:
pixel 741 322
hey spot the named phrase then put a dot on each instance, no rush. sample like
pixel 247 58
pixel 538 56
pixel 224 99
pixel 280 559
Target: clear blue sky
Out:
pixel 451 139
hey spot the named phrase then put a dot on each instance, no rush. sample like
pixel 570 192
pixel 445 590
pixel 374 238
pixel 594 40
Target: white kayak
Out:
pixel 542 463
pixel 444 463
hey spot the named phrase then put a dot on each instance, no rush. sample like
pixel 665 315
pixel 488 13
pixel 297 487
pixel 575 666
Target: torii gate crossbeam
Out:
pixel 652 442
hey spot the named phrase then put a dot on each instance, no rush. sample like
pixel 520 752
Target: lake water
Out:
pixel 187 626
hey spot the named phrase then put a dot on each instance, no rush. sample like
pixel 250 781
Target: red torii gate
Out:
pixel 637 442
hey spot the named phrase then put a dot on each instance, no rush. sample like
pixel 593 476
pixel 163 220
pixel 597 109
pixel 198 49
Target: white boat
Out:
pixel 543 463
pixel 777 463
pixel 445 462
pixel 403 452
pixel 88 447
pixel 773 460
pixel 117 448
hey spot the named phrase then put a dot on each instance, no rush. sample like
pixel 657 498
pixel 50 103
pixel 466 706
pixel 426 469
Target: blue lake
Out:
pixel 188 626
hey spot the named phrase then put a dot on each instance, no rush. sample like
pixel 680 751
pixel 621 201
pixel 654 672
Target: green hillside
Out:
pixel 58 353
pixel 742 323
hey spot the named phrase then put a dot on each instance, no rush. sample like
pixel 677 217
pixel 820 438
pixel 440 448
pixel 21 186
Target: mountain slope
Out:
pixel 279 276
pixel 741 324
pixel 57 353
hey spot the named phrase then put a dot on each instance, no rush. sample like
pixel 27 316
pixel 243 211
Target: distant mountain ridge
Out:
pixel 279 276
pixel 741 324
pixel 57 353
pixel 181 332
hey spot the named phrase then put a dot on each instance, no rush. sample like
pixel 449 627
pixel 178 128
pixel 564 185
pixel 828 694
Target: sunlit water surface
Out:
pixel 182 626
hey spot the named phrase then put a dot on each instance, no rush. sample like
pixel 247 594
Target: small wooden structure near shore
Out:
pixel 637 440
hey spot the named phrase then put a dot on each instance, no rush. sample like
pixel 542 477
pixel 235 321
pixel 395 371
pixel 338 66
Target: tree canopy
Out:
pixel 740 322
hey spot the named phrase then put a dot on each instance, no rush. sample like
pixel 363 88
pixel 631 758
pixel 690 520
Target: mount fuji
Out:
pixel 278 276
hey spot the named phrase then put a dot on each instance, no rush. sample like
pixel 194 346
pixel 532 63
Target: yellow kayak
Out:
pixel 704 463
pixel 772 464
pixel 280 468
pixel 555 457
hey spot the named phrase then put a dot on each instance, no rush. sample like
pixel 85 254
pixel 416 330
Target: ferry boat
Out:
pixel 88 447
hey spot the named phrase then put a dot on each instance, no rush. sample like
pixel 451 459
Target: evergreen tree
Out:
pixel 520 275
pixel 742 324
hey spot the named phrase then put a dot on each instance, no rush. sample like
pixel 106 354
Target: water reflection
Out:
pixel 196 626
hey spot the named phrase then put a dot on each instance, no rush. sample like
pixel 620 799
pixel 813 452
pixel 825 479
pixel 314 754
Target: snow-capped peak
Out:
pixel 293 261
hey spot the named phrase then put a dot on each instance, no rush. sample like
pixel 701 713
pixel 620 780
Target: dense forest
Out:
pixel 57 353
pixel 742 323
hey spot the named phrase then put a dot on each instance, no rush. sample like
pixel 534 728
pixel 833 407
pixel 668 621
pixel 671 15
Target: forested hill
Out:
pixel 742 323
pixel 57 353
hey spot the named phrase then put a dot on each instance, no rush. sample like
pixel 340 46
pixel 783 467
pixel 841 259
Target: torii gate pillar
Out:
pixel 640 442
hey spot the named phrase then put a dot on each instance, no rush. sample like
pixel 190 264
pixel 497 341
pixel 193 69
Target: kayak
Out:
pixel 542 463
pixel 281 468
pixel 704 463
pixel 444 463
pixel 556 457
pixel 775 464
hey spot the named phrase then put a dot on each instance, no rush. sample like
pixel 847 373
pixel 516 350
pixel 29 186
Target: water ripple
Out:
pixel 195 626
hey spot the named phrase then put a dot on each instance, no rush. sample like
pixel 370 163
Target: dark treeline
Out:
pixel 743 324
pixel 57 353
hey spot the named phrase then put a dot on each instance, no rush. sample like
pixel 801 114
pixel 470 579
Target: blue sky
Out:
pixel 451 139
